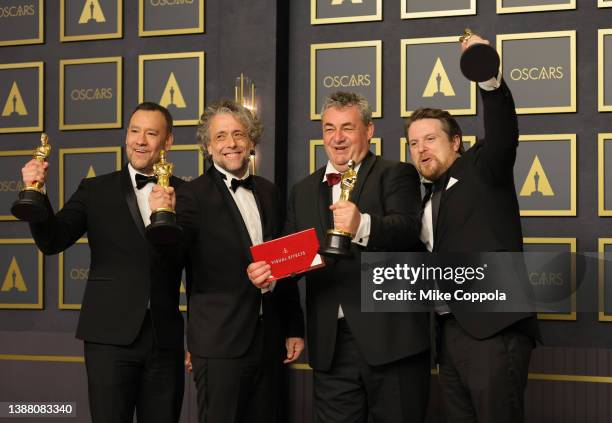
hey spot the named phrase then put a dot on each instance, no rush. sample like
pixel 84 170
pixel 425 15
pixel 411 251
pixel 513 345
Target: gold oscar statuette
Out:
pixel 163 228
pixel 32 204
pixel 338 242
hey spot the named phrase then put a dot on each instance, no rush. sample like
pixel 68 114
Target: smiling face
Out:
pixel 345 136
pixel 229 144
pixel 147 135
pixel 431 149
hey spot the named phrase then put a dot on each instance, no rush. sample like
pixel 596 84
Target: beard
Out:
pixel 431 171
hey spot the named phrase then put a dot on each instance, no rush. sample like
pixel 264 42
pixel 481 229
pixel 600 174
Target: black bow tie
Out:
pixel 430 189
pixel 142 180
pixel 246 183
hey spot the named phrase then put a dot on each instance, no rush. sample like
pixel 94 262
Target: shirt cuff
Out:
pixel 492 84
pixel 269 288
pixel 363 232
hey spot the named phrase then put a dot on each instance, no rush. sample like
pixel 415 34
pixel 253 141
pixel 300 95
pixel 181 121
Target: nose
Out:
pixel 337 136
pixel 421 146
pixel 231 141
pixel 141 138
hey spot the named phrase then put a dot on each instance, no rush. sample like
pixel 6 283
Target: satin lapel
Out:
pixel 323 194
pixel 362 175
pixel 239 224
pixel 266 230
pixel 439 229
pixel 130 199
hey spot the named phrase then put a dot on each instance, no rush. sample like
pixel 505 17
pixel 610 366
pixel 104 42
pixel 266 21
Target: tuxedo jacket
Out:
pixel 224 305
pixel 126 273
pixel 389 192
pixel 479 210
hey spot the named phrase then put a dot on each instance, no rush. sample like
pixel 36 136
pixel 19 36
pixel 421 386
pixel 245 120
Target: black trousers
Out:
pixel 352 389
pixel 240 390
pixel 139 377
pixel 483 380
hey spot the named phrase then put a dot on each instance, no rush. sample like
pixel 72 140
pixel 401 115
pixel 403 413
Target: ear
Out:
pixel 169 142
pixel 456 143
pixel 250 144
pixel 370 130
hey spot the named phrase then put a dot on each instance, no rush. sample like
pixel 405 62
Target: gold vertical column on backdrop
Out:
pixel 31 205
pixel 163 228
pixel 338 242
pixel 244 94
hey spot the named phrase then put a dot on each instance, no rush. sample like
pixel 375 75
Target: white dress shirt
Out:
pixel 142 196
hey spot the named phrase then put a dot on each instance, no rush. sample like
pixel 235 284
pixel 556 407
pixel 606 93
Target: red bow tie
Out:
pixel 333 178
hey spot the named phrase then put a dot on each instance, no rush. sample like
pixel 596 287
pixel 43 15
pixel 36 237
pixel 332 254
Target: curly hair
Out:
pixel 251 123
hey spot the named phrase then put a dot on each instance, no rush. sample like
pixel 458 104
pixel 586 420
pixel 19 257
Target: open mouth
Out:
pixel 232 155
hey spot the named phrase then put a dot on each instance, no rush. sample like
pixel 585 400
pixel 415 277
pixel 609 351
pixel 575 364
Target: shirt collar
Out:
pixel 331 169
pixel 228 176
pixel 133 173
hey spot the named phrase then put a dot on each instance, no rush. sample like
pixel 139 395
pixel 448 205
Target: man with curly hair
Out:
pixel 238 335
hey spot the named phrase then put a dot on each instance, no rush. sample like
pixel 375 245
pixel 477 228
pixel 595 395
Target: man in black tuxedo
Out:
pixel 238 335
pixel 471 206
pixel 130 321
pixel 364 363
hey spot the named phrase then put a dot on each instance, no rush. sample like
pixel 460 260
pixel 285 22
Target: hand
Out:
pixel 294 346
pixel 188 365
pixel 474 39
pixel 258 273
pixel 346 216
pixel 34 171
pixel 162 198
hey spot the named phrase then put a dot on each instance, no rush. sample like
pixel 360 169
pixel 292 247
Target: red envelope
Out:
pixel 291 254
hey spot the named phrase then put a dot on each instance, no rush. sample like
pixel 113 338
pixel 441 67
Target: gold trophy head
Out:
pixel 467 33
pixel 163 170
pixel 44 149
